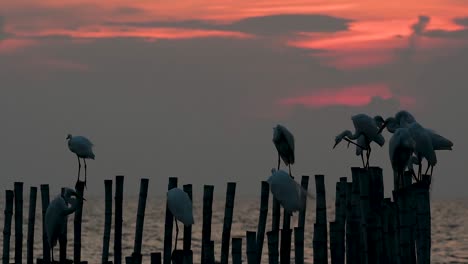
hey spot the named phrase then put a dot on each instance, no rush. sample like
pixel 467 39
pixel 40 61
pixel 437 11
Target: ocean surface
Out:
pixel 449 228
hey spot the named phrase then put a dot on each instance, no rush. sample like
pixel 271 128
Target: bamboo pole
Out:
pixel 285 247
pixel 31 223
pixel 18 187
pixel 236 250
pixel 140 220
pixel 364 188
pixel 118 219
pixel 402 201
pixel 169 221
pixel 276 215
pixel 207 213
pixel 77 224
pixel 264 198
pixel 349 220
pixel 107 220
pixel 340 219
pixel 333 242
pixel 320 227
pixel 156 258
pixel 273 254
pixel 228 213
pixel 45 204
pixel 302 214
pixel 299 245
pixel 188 229
pixel 355 242
pixel 63 239
pixel 251 247
pixel 423 210
pixel 9 196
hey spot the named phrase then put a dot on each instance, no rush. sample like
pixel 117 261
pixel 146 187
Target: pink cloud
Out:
pixel 9 46
pixel 353 96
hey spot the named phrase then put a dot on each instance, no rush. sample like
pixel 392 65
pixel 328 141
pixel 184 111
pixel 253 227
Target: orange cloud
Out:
pixel 353 96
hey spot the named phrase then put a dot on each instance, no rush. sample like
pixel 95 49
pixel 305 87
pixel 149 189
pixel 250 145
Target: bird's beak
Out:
pixel 336 143
pixel 384 125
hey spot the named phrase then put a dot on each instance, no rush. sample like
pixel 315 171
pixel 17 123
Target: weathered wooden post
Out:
pixel 107 220
pixel 169 221
pixel 299 245
pixel 423 211
pixel 79 187
pixel 364 186
pixel 401 198
pixel 264 197
pixel 9 196
pixel 207 213
pixel 273 253
pixel 320 244
pixel 349 235
pixel 63 240
pixel 236 250
pixel 188 254
pixel 31 222
pixel 388 243
pixel 156 258
pixel 45 204
pixel 228 212
pixel 18 187
pixel 119 185
pixel 275 219
pixel 286 234
pixel 340 219
pixel 251 247
pixel 140 219
pixel 354 243
pixel 333 242
pixel 209 252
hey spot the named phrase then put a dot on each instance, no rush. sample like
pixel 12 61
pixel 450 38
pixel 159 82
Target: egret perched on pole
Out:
pixel 423 147
pixel 364 126
pixel 180 205
pixel 57 214
pixel 284 143
pixel 83 148
pixel 401 148
pixel 291 195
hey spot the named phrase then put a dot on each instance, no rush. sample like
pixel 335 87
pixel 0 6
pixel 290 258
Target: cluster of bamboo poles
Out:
pixel 367 227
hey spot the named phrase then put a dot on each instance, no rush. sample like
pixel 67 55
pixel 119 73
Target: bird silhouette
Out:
pixel 401 148
pixel 366 126
pixel 57 215
pixel 291 195
pixel 284 143
pixel 180 206
pixel 83 148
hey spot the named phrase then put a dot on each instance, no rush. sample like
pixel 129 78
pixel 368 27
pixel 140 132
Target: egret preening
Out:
pixel 83 148
pixel 364 126
pixel 287 191
pixel 284 143
pixel 401 148
pixel 57 213
pixel 180 205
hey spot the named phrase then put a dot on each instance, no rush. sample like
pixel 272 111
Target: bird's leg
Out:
pixel 427 168
pixel 351 142
pixel 79 168
pixel 420 167
pixel 279 161
pixel 84 172
pixel 177 233
pixel 362 158
pixel 289 165
pixel 368 154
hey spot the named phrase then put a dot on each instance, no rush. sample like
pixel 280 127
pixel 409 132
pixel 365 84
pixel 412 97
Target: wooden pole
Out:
pixel 140 221
pixel 349 235
pixel 340 219
pixel 169 221
pixel 264 197
pixel 364 187
pixel 423 211
pixel 228 213
pixel 273 253
pixel 107 220
pixel 156 258
pixel 333 242
pixel 63 239
pixel 188 229
pixel 31 222
pixel 9 196
pixel 276 215
pixel 118 219
pixel 236 250
pixel 302 214
pixel 320 240
pixel 45 204
pixel 18 187
pixel 209 252
pixel 207 213
pixel 251 247
pixel 77 224
pixel 299 245
pixel 286 234
pixel 401 197
pixel 354 242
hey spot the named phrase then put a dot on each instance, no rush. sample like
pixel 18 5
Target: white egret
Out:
pixel 366 126
pixel 401 148
pixel 83 148
pixel 180 205
pixel 57 214
pixel 423 148
pixel 284 143
pixel 291 195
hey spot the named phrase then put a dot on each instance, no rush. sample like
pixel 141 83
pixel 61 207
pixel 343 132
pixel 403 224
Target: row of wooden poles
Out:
pixel 367 227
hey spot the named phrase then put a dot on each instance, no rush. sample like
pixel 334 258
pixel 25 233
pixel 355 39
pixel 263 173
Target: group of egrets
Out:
pixel 409 144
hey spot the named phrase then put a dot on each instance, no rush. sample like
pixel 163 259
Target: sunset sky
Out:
pixel 193 88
